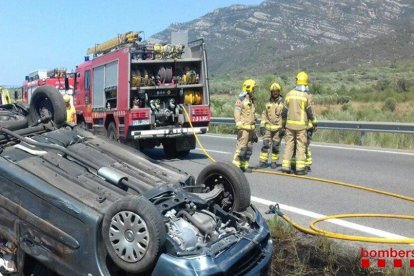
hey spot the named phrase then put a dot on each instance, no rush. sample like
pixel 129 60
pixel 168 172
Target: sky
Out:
pixel 45 34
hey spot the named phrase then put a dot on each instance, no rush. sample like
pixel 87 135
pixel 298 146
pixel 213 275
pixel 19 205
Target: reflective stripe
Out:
pixel 244 164
pixel 275 157
pixel 272 127
pixel 263 156
pixel 300 165
pixel 301 123
pixel 302 111
pixel 297 97
pixel 286 165
pixel 236 163
pixel 246 127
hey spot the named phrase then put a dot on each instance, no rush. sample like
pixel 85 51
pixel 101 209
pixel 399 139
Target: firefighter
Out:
pixel 296 114
pixel 70 110
pixel 245 118
pixel 271 127
pixel 309 134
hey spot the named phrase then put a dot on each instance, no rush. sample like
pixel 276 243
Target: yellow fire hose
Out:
pixel 313 229
pixel 195 135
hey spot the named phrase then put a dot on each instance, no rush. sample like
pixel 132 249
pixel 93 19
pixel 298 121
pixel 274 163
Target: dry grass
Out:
pixel 296 253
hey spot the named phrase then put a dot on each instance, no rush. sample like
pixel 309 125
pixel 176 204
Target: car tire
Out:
pixel 47 100
pixel 236 195
pixel 133 232
pixel 12 121
pixel 111 131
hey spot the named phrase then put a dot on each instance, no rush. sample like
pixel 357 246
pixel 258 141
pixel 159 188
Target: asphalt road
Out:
pixel 304 200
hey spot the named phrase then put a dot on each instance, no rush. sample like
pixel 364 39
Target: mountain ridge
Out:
pixel 284 35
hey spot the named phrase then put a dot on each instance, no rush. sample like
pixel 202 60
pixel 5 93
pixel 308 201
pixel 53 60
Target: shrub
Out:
pixel 316 88
pixel 390 104
pixel 346 106
pixel 403 85
pixel 382 84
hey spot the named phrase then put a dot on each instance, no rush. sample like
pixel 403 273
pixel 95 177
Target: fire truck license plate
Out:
pixel 140 122
pixel 200 118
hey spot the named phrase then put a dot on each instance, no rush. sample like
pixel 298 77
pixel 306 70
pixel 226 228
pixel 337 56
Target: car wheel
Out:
pixel 236 194
pixel 111 132
pixel 47 101
pixel 133 232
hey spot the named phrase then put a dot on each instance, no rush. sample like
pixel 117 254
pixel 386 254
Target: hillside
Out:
pixel 283 35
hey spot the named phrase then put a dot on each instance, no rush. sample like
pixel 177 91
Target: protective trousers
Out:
pixel 271 139
pixel 308 153
pixel 244 148
pixel 295 139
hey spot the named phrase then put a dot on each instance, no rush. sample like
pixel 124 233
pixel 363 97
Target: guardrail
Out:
pixel 401 128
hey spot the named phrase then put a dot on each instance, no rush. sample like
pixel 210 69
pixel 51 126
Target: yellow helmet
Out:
pixel 249 85
pixel 302 78
pixel 275 86
pixel 66 98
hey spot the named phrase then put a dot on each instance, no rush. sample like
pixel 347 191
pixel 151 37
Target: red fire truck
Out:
pixel 141 93
pixel 60 78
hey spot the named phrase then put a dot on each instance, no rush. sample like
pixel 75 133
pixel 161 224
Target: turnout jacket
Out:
pixel 272 114
pixel 244 112
pixel 297 110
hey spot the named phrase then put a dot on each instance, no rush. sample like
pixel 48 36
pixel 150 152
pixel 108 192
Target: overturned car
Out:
pixel 76 204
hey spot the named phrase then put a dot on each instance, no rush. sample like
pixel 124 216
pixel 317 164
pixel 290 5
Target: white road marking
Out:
pixel 351 225
pixel 219 136
pixel 216 151
pixel 328 146
pixel 360 149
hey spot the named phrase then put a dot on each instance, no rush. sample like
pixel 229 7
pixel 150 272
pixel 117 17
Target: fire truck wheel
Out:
pixel 47 101
pixel 133 234
pixel 236 194
pixel 182 154
pixel 170 149
pixel 111 131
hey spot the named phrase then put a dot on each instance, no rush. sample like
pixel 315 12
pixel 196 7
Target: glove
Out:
pixel 315 127
pixel 255 139
pixel 284 124
pixel 309 133
pixel 262 131
pixel 282 132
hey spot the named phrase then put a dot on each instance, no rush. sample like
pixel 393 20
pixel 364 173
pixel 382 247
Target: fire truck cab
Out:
pixel 145 94
pixel 60 78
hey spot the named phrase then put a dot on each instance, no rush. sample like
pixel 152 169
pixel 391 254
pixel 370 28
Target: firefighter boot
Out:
pixel 263 164
pixel 275 158
pixel 300 168
pixel 244 166
pixel 286 166
pixel 264 155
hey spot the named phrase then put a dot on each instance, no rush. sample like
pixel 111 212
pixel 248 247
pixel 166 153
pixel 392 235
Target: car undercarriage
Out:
pixel 73 203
